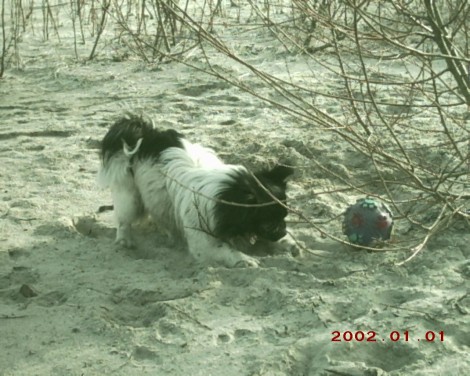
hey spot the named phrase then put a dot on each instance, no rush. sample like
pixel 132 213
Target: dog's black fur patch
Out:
pixel 264 221
pixel 132 128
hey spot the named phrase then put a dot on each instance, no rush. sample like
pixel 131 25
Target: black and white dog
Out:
pixel 190 192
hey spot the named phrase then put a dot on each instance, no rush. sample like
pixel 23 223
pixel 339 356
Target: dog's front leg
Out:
pixel 208 249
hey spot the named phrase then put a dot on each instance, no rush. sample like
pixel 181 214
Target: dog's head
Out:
pixel 269 221
pixel 261 213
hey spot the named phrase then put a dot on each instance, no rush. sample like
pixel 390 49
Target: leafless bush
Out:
pixel 4 41
pixel 149 40
pixel 390 79
pixel 14 18
pixel 401 75
pixel 147 29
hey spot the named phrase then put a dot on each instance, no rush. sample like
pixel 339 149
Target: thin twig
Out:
pixel 105 7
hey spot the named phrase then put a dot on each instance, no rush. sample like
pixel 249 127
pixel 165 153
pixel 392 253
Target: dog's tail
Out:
pixel 126 148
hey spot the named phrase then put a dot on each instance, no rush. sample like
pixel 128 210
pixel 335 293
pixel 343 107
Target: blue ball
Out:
pixel 367 221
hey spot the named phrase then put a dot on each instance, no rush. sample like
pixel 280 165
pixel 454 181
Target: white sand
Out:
pixel 98 309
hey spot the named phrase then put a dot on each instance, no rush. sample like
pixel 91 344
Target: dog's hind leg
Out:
pixel 116 173
pixel 128 208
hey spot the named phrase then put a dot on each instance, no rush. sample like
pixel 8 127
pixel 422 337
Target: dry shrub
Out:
pixel 400 73
pixel 397 70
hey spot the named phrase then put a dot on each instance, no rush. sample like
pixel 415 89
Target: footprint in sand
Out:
pixel 17 276
pixel 199 90
pixel 89 226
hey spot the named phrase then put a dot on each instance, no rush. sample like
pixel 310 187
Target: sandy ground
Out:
pixel 72 303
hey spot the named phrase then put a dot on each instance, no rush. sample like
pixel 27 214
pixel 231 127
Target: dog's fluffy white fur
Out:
pixel 179 186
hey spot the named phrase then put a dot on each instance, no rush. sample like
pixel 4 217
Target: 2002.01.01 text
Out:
pixel 394 336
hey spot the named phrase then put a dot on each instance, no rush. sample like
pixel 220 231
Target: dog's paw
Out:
pixel 288 245
pixel 232 258
pixel 125 242
pixel 247 263
pixel 241 260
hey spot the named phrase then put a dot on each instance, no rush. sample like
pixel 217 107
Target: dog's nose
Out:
pixel 281 233
pixel 278 233
pixel 272 231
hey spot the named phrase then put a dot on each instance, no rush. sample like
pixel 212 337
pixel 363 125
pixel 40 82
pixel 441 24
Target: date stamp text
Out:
pixel 393 336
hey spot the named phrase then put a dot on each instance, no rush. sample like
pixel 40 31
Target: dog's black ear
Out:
pixel 280 173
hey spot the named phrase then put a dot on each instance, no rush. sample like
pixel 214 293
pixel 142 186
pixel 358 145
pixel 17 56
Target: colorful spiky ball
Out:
pixel 367 221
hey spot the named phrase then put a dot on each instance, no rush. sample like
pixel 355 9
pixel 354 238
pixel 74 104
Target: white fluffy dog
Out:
pixel 190 192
